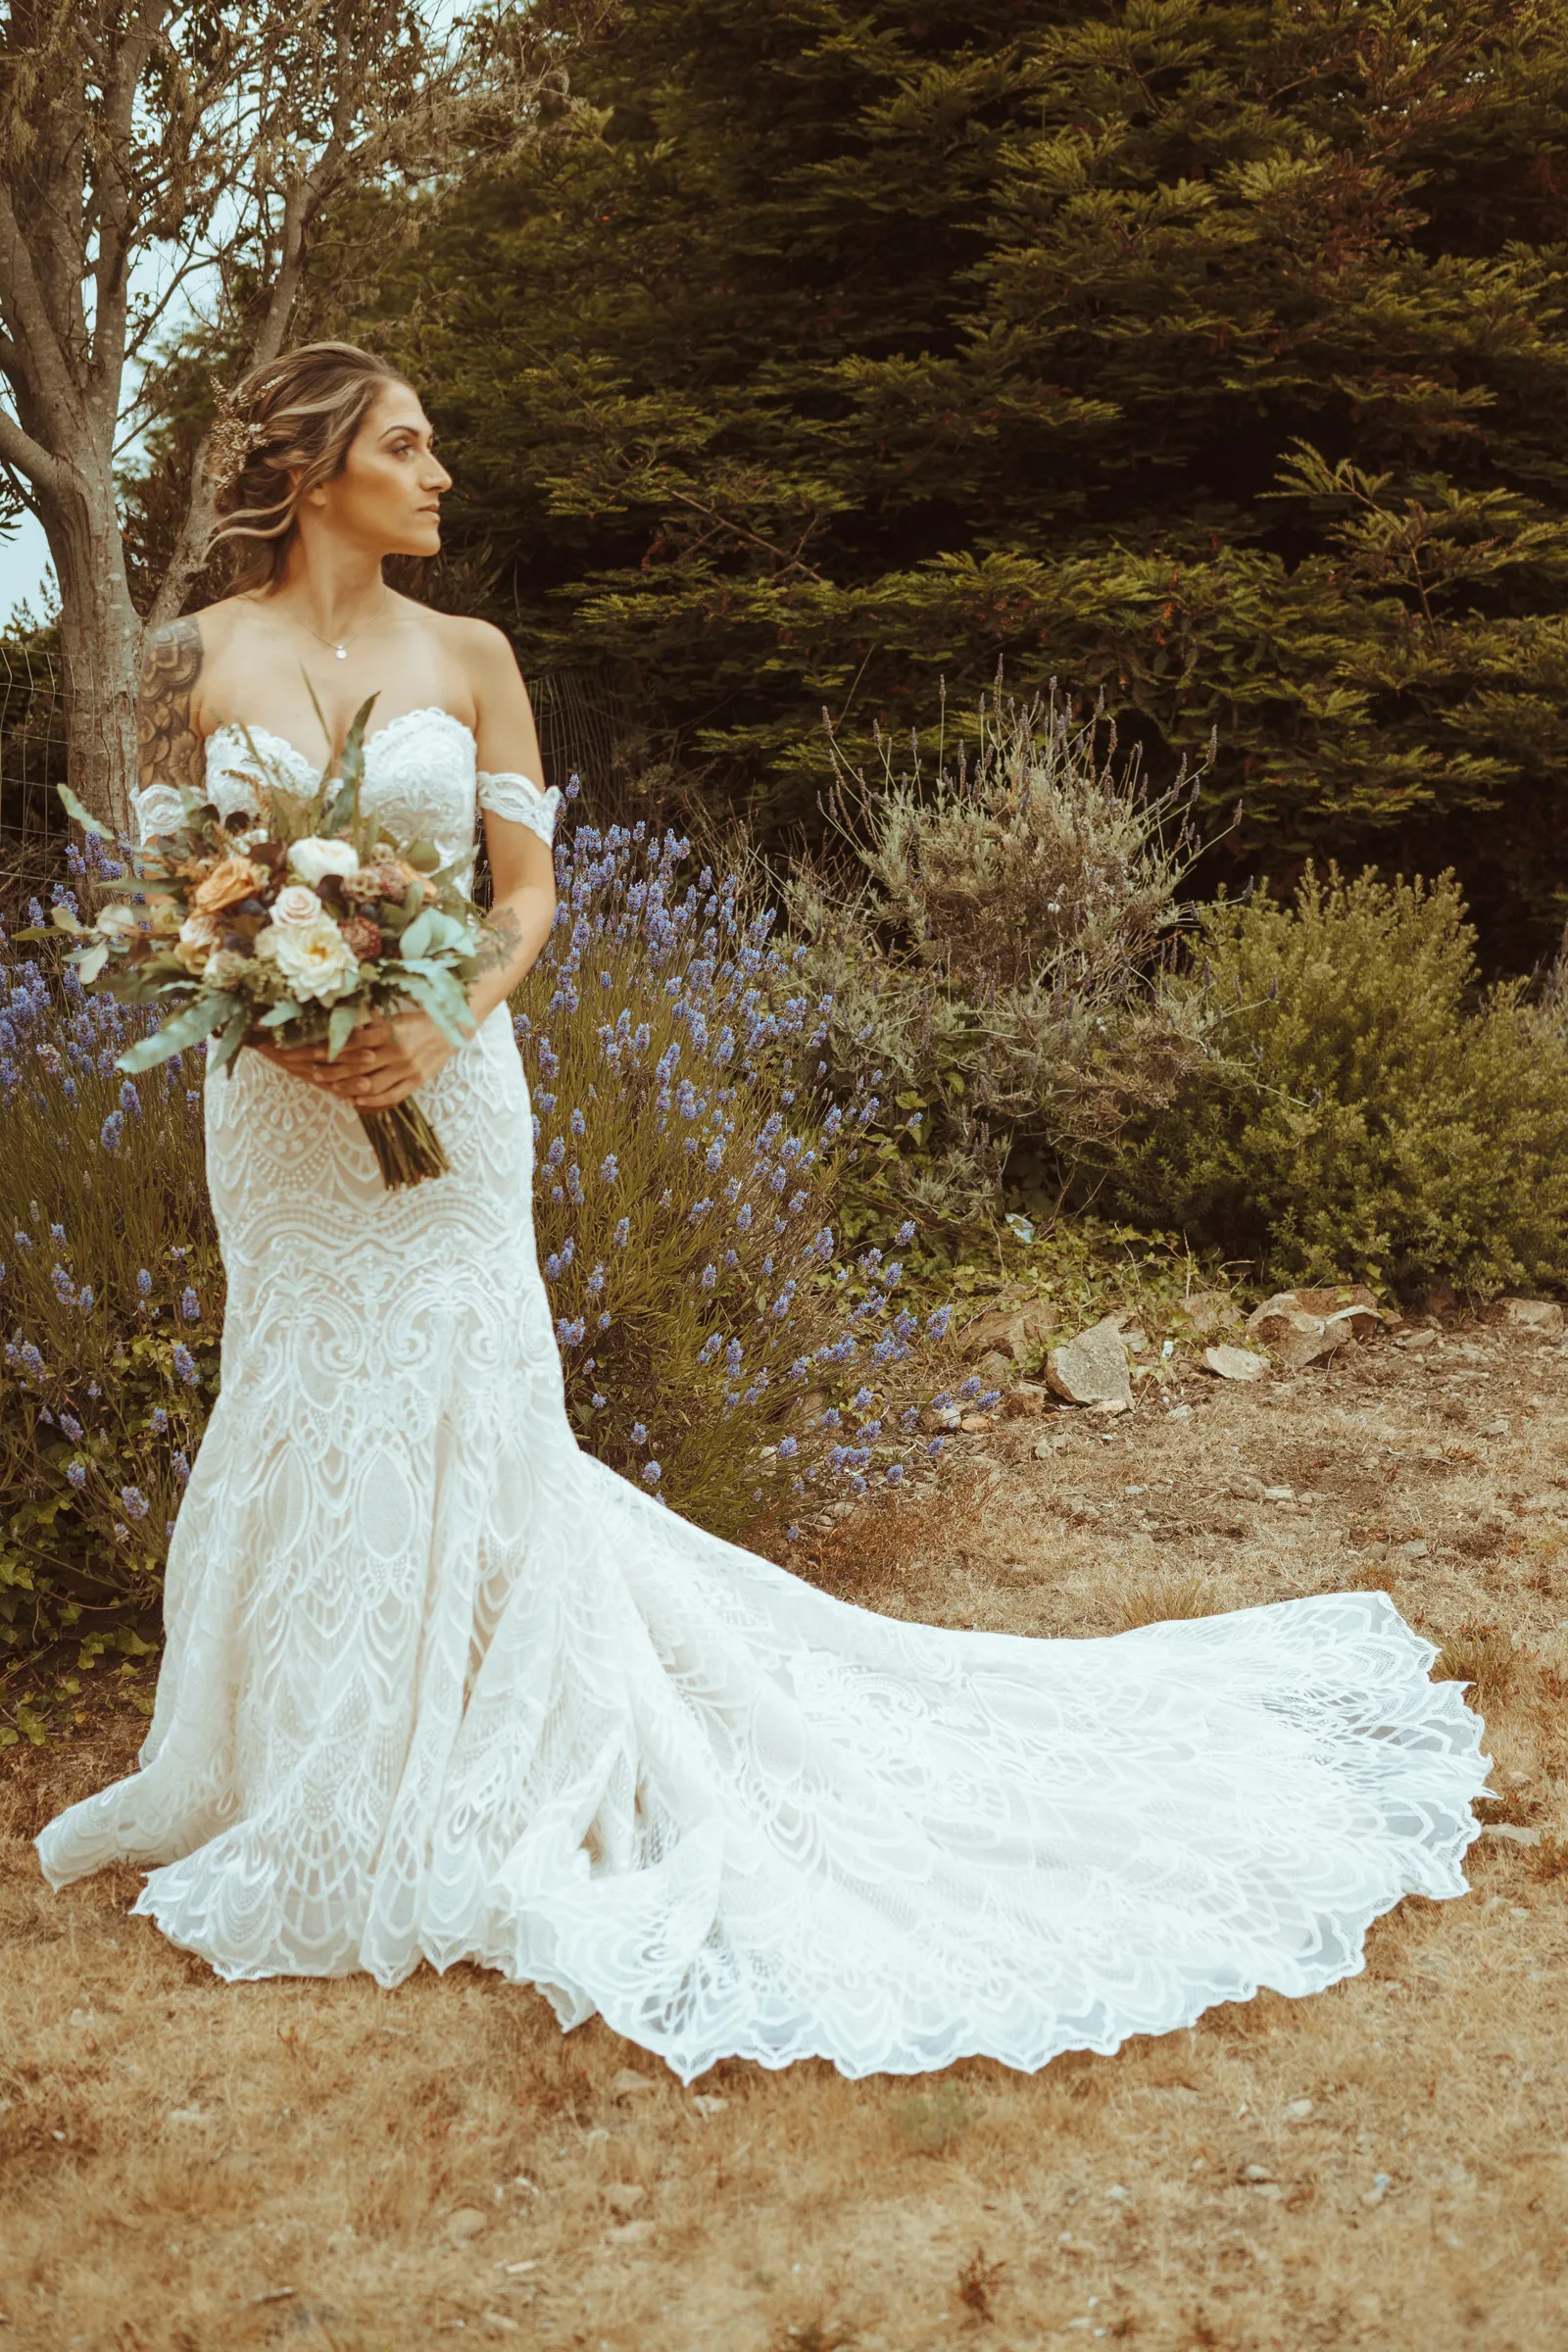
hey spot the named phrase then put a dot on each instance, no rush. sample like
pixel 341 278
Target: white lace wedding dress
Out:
pixel 440 1687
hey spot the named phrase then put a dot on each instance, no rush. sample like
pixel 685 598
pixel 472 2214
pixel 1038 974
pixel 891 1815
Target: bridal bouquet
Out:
pixel 289 925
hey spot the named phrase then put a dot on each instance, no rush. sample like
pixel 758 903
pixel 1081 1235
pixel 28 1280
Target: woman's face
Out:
pixel 387 496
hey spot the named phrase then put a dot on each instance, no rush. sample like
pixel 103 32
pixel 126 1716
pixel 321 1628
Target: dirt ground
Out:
pixel 206 2168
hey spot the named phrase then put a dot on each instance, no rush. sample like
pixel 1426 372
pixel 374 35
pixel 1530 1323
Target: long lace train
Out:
pixel 439 1687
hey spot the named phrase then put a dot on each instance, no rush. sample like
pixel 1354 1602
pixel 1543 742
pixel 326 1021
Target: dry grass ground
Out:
pixel 202 2168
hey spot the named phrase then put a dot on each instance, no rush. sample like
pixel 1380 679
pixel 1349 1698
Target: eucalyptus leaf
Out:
pixel 90 962
pixel 285 1010
pixel 422 855
pixel 186 1028
pixel 423 993
pixel 340 1028
pixel 228 1045
pixel 419 934
pixel 84 818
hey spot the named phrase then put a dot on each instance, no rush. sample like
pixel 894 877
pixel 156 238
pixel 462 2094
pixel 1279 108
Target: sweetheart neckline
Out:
pixel 254 727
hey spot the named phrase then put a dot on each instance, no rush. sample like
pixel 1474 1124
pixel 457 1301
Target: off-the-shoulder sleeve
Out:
pixel 159 809
pixel 520 800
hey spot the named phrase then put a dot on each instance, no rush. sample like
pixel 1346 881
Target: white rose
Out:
pixel 315 958
pixel 321 855
pixel 296 905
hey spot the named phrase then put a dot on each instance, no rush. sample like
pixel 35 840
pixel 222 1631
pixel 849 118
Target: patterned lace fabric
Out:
pixel 439 1687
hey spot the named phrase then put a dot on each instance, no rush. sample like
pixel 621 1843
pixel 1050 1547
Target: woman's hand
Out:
pixel 384 1062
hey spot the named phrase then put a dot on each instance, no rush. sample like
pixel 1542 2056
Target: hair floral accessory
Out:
pixel 232 439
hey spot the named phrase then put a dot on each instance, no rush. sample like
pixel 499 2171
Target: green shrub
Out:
pixel 1369 1111
pixel 996 956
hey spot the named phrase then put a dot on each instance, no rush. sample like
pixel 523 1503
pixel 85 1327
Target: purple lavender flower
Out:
pixel 110 1133
pixel 160 1421
pixel 72 1427
pixel 181 1466
pixel 190 1306
pixel 652 1474
pixel 639 1435
pixel 144 1282
pixel 133 1502
pixel 185 1364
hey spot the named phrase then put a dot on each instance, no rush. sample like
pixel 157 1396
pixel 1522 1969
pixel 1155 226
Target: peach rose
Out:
pixel 231 880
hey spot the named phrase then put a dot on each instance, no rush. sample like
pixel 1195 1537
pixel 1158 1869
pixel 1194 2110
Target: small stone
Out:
pixel 631 2233
pixel 1111 1405
pixel 1181 1413
pixel 187 2115
pixel 995 1368
pixel 1297 2111
pixel 1423 1338
pixel 1279 1493
pixel 1256 2172
pixel 942 1416
pixel 976 1423
pixel 1092 1368
pixel 1533 1314
pixel 1511 1834
pixel 1494 1429
pixel 1235 1364
pixel 628 2082
pixel 465 2223
pixel 1244 1488
pixel 623 2196
pixel 1043 1447
pixel 1415 1551
pixel 1117 2194
pixel 1378 2190
pixel 708 2102
pixel 1026 1401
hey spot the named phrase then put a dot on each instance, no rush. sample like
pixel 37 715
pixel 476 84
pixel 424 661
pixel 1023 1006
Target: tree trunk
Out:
pixel 100 643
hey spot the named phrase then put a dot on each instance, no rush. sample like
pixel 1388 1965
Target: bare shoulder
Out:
pixel 483 651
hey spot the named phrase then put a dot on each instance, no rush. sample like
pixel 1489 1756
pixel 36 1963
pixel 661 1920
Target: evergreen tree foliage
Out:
pixel 1213 356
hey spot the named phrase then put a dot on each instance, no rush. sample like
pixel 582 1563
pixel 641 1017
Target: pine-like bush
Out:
pixel 1369 1112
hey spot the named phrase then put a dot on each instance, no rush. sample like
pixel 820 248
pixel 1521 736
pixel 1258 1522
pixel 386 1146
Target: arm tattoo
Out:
pixel 170 750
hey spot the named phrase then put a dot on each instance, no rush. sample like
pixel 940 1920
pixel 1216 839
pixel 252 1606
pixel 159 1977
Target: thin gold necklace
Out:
pixel 341 647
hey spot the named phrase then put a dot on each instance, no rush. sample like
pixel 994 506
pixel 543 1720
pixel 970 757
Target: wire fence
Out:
pixel 33 831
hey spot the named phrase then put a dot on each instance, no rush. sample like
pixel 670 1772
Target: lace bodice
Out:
pixel 421 775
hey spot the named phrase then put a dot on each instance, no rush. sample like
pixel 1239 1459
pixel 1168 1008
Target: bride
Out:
pixel 440 1687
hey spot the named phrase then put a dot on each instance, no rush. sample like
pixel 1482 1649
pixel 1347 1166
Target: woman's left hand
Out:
pixel 384 1061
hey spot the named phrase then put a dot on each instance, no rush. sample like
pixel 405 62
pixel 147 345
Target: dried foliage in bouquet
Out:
pixel 289 925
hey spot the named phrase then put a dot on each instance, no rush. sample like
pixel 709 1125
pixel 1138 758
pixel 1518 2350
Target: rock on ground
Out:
pixel 1092 1369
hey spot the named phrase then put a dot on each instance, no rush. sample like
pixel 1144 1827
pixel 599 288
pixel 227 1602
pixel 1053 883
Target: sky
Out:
pixel 24 567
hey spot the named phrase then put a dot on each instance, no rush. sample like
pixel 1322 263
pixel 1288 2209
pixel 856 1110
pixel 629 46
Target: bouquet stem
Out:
pixel 407 1146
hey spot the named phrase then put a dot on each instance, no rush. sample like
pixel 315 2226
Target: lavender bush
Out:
pixel 109 1303
pixel 716 1349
